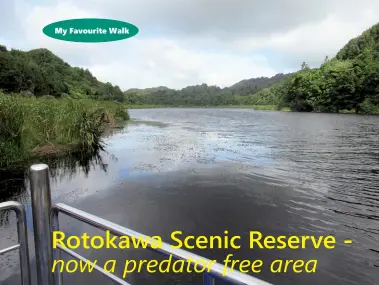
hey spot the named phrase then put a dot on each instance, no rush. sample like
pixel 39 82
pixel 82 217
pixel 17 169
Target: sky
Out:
pixel 189 42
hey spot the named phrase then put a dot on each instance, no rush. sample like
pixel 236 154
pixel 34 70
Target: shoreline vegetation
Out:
pixel 36 127
pixel 49 108
pixel 253 107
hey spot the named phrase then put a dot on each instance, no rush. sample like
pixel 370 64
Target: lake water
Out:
pixel 204 171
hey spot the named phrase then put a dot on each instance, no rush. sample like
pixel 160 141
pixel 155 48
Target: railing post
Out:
pixel 41 206
pixel 23 241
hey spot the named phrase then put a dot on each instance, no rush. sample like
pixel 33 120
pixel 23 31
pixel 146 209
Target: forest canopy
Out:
pixel 39 72
pixel 241 93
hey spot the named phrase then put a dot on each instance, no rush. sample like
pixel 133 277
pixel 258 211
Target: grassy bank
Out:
pixel 38 126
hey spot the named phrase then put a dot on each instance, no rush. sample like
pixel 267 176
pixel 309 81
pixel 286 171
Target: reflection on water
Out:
pixel 68 166
pixel 206 170
pixel 14 185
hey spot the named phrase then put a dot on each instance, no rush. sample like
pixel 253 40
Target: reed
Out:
pixel 40 126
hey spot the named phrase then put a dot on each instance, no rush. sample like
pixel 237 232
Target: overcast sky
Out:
pixel 188 42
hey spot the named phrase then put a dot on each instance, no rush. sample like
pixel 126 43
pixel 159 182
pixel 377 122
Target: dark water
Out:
pixel 204 171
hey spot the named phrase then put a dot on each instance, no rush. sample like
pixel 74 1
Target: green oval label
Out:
pixel 90 30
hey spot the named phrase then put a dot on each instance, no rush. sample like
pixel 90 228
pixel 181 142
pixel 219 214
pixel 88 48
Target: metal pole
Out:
pixel 41 206
pixel 23 241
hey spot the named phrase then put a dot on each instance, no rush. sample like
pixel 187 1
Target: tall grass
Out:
pixel 31 126
pixel 12 120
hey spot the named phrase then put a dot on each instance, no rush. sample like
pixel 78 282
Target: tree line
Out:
pixel 206 95
pixel 39 73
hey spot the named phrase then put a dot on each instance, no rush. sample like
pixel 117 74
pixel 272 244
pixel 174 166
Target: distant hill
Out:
pixel 202 95
pixel 146 91
pixel 253 85
pixel 40 72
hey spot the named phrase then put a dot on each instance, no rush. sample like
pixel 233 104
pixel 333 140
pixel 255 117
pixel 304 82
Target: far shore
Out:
pixel 255 107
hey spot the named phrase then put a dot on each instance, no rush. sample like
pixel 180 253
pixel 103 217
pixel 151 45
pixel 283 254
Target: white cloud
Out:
pixel 156 62
pixel 312 42
pixel 40 16
pixel 195 41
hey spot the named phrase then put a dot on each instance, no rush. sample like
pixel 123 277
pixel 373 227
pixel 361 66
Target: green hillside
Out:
pixel 347 82
pixel 254 85
pixel 369 40
pixel 39 72
pixel 205 95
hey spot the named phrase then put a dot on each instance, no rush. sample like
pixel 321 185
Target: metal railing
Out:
pixel 45 220
pixel 22 245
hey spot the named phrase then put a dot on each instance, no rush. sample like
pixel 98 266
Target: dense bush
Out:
pixel 40 72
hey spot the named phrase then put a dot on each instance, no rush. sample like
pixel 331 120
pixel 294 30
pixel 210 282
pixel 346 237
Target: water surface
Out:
pixel 204 171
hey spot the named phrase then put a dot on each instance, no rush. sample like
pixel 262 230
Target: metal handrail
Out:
pixel 216 270
pixel 22 245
